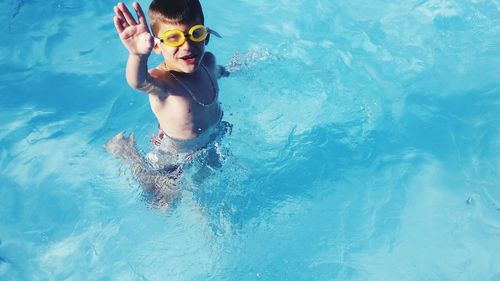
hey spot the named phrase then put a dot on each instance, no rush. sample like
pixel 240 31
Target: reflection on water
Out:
pixel 365 139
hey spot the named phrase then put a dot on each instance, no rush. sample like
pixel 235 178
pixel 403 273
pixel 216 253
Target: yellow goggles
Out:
pixel 175 37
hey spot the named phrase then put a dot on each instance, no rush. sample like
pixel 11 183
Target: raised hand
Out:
pixel 134 35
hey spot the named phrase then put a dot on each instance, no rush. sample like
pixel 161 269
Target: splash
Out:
pixel 241 62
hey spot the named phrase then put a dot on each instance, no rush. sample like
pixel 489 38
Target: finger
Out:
pixel 118 13
pixel 121 17
pixel 128 17
pixel 118 24
pixel 140 13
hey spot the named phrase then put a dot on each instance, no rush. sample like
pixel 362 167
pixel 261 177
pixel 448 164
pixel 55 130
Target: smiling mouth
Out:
pixel 188 57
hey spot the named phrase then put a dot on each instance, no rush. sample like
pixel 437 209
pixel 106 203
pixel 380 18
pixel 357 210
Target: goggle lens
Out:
pixel 174 38
pixel 198 33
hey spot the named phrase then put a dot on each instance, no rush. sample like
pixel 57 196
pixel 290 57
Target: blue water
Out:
pixel 366 146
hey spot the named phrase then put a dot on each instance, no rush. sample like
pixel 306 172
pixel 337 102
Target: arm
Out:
pixel 137 71
pixel 140 79
pixel 221 72
pixel 137 39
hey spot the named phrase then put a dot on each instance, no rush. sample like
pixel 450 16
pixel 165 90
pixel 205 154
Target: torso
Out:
pixel 179 114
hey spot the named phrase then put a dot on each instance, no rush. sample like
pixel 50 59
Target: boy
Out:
pixel 183 89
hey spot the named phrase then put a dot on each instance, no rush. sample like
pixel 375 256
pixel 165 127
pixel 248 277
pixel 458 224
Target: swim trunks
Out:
pixel 173 152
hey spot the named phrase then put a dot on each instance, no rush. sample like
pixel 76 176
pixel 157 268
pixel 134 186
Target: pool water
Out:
pixel 365 146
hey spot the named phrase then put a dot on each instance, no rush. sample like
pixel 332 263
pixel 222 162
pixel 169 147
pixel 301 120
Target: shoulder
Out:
pixel 161 76
pixel 157 73
pixel 209 61
pixel 158 82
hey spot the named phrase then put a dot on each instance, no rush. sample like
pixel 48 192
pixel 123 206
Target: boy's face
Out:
pixel 184 58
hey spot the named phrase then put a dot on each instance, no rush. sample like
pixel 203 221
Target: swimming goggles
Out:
pixel 175 37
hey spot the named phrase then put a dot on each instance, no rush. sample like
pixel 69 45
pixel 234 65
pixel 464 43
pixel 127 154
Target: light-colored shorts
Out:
pixel 174 153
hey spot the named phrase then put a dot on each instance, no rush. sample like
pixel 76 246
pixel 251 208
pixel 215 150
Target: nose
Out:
pixel 187 43
pixel 190 45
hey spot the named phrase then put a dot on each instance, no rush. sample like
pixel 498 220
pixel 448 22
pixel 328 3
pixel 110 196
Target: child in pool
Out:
pixel 183 89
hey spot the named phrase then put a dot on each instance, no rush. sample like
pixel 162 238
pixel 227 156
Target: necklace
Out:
pixel 191 92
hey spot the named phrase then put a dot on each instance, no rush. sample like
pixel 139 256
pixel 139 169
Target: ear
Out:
pixel 157 48
pixel 207 39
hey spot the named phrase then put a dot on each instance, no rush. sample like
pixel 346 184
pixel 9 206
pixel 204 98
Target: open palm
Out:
pixel 134 35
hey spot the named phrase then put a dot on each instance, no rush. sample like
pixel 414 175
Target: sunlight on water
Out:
pixel 365 146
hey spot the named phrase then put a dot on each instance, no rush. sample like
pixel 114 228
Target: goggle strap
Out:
pixel 211 31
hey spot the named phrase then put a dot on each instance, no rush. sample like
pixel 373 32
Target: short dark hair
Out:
pixel 174 11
